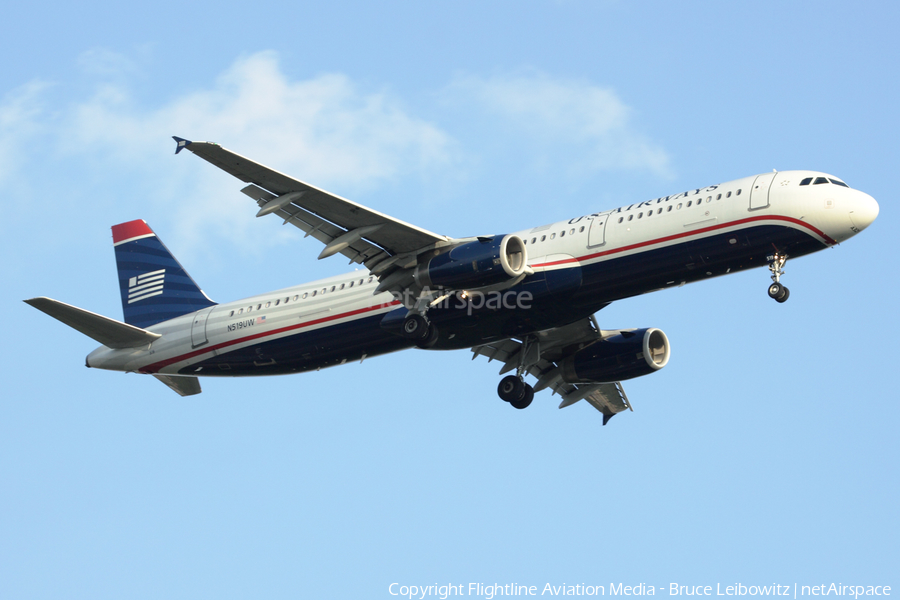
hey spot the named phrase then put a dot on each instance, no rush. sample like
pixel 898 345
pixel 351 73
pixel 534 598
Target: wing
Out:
pixel 363 235
pixel 541 357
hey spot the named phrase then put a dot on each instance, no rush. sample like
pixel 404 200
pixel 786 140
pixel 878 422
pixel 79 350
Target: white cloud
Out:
pixel 564 115
pixel 323 130
pixel 20 124
pixel 116 148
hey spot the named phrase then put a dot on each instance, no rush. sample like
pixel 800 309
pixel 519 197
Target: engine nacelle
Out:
pixel 488 261
pixel 625 355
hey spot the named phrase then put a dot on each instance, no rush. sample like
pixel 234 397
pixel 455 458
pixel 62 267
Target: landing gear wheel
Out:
pixel 778 292
pixel 431 339
pixel 511 388
pixel 525 400
pixel 416 328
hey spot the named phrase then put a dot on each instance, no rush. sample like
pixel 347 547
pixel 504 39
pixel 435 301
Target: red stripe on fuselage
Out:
pixel 827 240
pixel 155 367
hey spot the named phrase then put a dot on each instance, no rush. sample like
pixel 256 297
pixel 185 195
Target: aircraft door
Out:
pixel 759 195
pixel 597 233
pixel 198 328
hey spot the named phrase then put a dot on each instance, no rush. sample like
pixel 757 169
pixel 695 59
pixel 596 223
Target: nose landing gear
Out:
pixel 777 291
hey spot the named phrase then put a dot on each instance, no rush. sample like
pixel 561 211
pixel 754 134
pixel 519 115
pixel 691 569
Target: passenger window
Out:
pixel 240 312
pixel 295 298
pixel 820 180
pixel 249 308
pixel 719 197
pixel 370 279
pixel 343 285
pixel 334 287
pixel 543 237
pixel 533 240
pixel 621 219
pixel 688 204
pixel 679 206
pixel 232 314
pixel 581 230
pixel 314 293
pixel 351 284
pixel 305 295
pixel 728 195
pixel 572 231
pixel 738 192
pixel 552 236
pixel 268 304
pixel 286 300
pixel 562 234
pixel 806 181
pixel 640 215
pixel 669 209
pixel 659 210
pixel 277 302
pixel 360 282
pixel 630 217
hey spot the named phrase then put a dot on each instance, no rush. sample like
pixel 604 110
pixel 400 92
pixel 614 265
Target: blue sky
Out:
pixel 765 452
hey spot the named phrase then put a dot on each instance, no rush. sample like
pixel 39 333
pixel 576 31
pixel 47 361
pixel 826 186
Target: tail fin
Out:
pixel 154 286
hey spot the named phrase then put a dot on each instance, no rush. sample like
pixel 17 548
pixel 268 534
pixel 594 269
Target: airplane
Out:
pixel 527 298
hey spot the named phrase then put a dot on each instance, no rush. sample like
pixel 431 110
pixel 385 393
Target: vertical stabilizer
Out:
pixel 154 285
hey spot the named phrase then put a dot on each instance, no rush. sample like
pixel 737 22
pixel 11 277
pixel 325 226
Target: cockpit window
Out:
pixel 819 180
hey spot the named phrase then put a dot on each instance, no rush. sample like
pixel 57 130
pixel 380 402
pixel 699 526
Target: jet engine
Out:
pixel 625 355
pixel 487 261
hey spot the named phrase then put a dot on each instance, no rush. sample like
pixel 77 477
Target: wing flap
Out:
pixel 392 235
pixel 542 361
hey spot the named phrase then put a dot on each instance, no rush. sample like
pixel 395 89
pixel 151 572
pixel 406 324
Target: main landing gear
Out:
pixel 778 292
pixel 514 390
pixel 417 328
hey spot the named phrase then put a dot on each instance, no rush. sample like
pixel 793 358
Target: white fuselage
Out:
pixel 828 213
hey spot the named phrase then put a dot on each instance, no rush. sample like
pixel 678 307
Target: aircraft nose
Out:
pixel 863 211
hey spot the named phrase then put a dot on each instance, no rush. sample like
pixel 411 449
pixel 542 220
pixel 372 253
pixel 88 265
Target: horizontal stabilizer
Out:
pixel 183 386
pixel 109 332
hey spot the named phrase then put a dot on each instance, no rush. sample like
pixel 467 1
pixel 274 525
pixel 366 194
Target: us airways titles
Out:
pixel 659 200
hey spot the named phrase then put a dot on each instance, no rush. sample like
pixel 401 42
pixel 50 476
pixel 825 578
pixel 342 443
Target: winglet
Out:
pixel 607 417
pixel 182 144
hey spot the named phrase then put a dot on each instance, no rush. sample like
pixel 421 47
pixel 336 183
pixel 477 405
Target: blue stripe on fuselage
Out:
pixel 560 297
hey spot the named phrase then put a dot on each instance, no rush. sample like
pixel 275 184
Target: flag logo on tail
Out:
pixel 146 285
